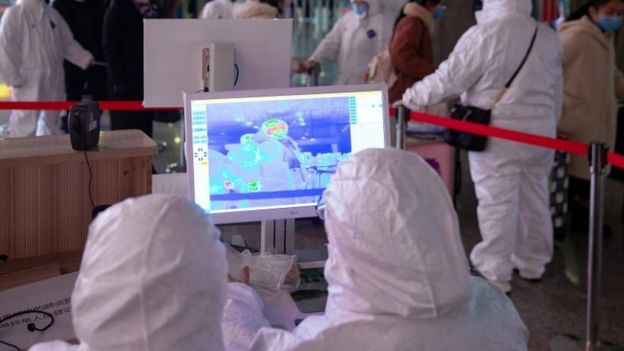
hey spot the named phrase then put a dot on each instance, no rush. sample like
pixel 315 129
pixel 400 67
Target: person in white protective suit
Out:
pixel 397 271
pixel 354 40
pixel 153 277
pixel 511 179
pixel 218 9
pixel 34 41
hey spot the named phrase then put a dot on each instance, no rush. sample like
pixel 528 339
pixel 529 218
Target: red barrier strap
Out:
pixel 615 160
pixel 525 138
pixel 66 105
pixel 520 137
pixel 572 147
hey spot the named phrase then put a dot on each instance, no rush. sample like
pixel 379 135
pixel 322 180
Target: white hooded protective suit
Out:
pixel 218 9
pixel 34 41
pixel 511 179
pixel 397 272
pixel 354 41
pixel 153 277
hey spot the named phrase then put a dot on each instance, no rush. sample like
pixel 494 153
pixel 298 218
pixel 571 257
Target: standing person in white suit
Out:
pixel 218 9
pixel 34 41
pixel 153 277
pixel 397 271
pixel 511 179
pixel 354 40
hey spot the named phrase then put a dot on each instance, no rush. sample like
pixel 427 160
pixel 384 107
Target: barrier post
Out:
pixel 598 166
pixel 401 125
pixel 314 74
pixel 598 163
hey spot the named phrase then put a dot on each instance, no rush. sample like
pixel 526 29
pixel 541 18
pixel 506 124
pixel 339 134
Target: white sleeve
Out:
pixel 328 48
pixel 242 318
pixel 72 50
pixel 463 68
pixel 10 49
pixel 559 86
pixel 56 345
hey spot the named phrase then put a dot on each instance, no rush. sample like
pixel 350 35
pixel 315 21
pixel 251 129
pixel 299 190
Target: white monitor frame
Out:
pixel 255 215
pixel 173 55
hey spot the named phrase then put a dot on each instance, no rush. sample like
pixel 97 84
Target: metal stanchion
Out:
pixel 314 74
pixel 401 125
pixel 598 166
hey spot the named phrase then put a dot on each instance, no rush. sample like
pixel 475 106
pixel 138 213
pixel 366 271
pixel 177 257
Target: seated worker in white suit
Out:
pixel 397 270
pixel 153 277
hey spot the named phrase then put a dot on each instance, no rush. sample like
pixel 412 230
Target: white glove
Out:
pixel 407 101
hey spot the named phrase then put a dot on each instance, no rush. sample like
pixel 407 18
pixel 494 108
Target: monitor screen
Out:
pixel 270 154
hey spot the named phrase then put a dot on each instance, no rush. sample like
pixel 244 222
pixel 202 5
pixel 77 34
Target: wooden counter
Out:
pixel 44 199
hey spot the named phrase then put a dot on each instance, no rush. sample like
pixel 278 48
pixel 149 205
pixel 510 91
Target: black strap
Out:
pixel 525 58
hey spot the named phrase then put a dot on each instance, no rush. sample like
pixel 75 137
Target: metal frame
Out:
pixel 277 237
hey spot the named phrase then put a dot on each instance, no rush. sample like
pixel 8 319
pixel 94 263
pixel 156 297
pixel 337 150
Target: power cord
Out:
pixel 237 74
pixel 32 327
pixel 90 179
pixel 205 89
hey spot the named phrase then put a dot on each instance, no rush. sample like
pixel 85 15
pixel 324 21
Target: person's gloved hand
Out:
pixel 407 101
pixel 244 276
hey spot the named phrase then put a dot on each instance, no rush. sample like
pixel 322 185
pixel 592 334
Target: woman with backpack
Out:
pixel 411 52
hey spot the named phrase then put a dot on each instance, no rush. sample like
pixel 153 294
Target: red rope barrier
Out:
pixel 615 160
pixel 66 105
pixel 572 147
pixel 520 137
pixel 525 138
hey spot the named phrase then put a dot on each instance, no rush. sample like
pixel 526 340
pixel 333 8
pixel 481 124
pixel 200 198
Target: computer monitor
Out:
pixel 269 154
pixel 177 56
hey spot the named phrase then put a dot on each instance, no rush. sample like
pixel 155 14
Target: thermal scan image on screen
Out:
pixel 267 153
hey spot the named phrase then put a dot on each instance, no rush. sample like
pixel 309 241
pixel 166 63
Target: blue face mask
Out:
pixel 439 12
pixel 359 8
pixel 609 23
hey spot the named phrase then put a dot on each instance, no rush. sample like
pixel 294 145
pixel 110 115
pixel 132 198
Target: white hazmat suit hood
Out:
pixel 495 9
pixel 392 255
pixel 152 277
pixel 397 272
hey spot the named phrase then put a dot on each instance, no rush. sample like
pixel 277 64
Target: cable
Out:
pixel 237 74
pixel 90 180
pixel 10 345
pixel 32 327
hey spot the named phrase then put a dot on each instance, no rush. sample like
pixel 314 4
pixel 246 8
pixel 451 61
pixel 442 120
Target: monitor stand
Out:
pixel 278 236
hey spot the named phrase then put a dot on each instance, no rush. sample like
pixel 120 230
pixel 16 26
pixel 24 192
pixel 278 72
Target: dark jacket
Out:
pixel 123 47
pixel 411 51
pixel 85 19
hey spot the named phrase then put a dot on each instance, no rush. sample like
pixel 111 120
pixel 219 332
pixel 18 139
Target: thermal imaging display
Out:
pixel 277 151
